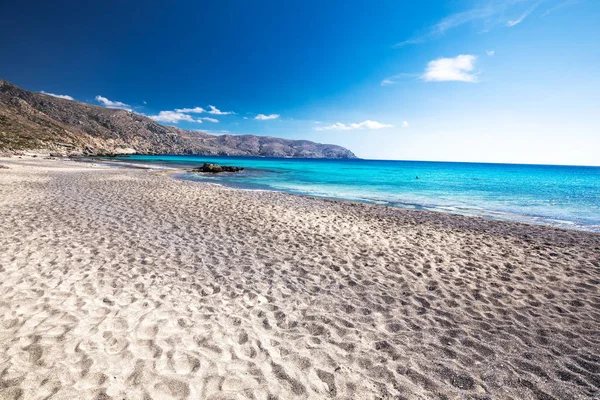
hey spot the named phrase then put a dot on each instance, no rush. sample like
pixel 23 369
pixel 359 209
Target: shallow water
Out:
pixel 563 196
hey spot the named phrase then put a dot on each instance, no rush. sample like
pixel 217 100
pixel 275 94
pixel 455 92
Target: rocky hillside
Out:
pixel 35 121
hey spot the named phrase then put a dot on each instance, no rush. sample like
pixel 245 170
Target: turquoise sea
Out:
pixel 562 196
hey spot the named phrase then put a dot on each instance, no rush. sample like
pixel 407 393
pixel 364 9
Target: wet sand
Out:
pixel 126 283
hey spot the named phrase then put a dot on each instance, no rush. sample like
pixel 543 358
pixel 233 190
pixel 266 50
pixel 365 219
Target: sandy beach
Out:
pixel 126 283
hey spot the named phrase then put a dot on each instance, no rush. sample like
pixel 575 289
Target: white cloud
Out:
pixel 199 110
pixel 490 52
pixel 182 114
pixel 368 124
pixel 263 117
pixel 60 96
pixel 144 102
pixel 112 104
pixel 338 126
pixel 173 117
pixel 195 110
pixel 405 124
pixel 214 110
pixel 458 68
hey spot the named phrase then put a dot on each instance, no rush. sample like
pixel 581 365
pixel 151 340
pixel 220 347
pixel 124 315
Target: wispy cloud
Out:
pixel 458 68
pixel 392 80
pixel 195 110
pixel 405 124
pixel 490 14
pixel 559 6
pixel 173 117
pixel 368 124
pixel 219 132
pixel 214 110
pixel 60 96
pixel 209 119
pixel 490 52
pixel 112 104
pixel 451 22
pixel 517 21
pixel 524 15
pixel 263 117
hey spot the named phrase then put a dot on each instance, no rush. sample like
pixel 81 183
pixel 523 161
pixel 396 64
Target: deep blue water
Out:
pixel 564 196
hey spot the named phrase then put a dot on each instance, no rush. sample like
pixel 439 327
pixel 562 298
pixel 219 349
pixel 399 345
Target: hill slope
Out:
pixel 35 121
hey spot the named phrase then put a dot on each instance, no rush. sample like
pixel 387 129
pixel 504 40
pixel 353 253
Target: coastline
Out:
pixel 513 202
pixel 125 281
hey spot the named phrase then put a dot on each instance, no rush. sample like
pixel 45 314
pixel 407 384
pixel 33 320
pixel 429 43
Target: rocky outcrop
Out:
pixel 35 121
pixel 214 168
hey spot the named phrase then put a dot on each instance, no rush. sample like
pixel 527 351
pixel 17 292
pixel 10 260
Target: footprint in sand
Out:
pixel 118 325
pixel 115 344
pixel 146 332
pixel 94 380
pixel 171 389
pixel 48 388
pixel 57 331
pixel 146 349
pixel 11 393
pixel 184 364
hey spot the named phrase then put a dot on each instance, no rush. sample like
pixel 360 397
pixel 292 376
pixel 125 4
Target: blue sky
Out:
pixel 491 81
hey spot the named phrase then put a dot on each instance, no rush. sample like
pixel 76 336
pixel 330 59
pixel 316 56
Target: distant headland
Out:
pixel 36 121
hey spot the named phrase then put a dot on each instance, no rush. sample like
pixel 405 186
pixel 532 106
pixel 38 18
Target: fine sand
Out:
pixel 127 283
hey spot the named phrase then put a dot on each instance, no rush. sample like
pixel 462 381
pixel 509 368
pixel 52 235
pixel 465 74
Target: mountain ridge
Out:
pixel 37 121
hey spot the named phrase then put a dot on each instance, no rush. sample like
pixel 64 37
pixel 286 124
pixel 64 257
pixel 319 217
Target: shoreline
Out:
pixel 425 209
pixel 173 171
pixel 493 215
pixel 125 282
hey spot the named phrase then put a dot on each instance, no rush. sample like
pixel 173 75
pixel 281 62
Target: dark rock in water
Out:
pixel 213 168
pixel 228 168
